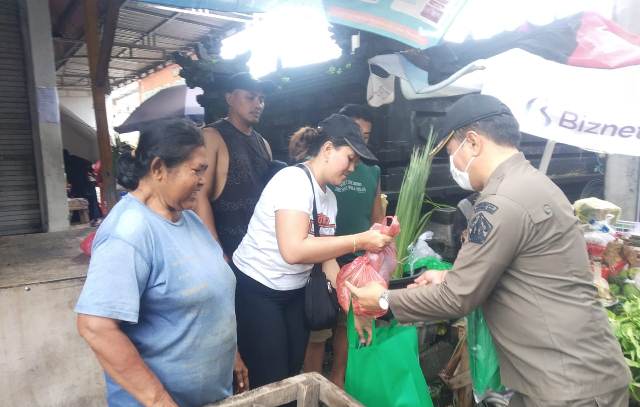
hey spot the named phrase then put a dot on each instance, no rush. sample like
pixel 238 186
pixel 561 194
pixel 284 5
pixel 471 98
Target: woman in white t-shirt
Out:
pixel 276 256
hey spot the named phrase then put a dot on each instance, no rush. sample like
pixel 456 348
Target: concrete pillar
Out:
pixel 45 117
pixel 622 177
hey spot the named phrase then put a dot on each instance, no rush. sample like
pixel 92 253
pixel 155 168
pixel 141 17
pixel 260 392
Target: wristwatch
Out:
pixel 383 300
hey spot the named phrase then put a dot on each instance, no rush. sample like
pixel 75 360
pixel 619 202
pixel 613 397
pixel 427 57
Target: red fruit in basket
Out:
pixel 615 269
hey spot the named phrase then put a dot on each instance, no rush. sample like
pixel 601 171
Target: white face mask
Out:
pixel 460 177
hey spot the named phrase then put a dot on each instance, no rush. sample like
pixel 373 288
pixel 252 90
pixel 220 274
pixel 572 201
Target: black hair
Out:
pixel 503 129
pixel 172 141
pixel 357 112
pixel 307 141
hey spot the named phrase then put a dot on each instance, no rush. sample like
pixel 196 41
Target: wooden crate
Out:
pixel 307 390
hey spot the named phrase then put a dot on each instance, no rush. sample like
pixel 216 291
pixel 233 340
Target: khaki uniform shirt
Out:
pixel 525 262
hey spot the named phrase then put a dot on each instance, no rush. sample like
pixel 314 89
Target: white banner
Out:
pixel 595 109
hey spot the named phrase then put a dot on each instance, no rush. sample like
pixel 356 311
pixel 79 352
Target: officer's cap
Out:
pixel 465 111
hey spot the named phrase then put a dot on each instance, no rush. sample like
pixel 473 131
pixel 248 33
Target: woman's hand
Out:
pixel 372 241
pixel 363 327
pixel 240 375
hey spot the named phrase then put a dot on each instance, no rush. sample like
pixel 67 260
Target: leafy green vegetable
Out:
pixel 626 327
pixel 615 289
pixel 619 280
pixel 630 290
pixel 410 200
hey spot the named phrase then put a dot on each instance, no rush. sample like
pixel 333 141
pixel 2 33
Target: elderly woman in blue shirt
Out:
pixel 157 307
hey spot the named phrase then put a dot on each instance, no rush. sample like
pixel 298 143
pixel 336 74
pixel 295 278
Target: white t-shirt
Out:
pixel 258 255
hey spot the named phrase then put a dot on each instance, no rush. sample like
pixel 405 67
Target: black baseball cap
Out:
pixel 244 81
pixel 465 111
pixel 339 126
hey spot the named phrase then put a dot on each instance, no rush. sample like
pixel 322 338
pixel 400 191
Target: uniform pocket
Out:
pixel 541 213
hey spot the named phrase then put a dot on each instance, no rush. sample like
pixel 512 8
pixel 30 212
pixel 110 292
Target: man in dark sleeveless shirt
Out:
pixel 239 159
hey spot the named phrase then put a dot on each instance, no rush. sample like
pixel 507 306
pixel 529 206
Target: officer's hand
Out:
pixel 429 277
pixel 368 295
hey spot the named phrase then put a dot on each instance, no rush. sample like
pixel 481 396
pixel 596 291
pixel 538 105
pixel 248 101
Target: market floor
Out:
pixel 43 257
pixel 46 363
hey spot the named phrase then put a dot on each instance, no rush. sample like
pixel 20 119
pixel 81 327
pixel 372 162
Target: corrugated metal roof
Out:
pixel 144 40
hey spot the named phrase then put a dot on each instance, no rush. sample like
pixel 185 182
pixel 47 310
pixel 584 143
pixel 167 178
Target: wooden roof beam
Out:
pixel 106 44
pixel 99 103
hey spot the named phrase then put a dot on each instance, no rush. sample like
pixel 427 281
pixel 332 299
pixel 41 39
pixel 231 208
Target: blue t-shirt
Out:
pixel 169 285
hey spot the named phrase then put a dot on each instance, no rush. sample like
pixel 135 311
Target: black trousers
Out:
pixel 272 332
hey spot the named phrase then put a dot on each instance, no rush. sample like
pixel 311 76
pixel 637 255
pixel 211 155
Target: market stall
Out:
pixel 560 87
pixel 614 254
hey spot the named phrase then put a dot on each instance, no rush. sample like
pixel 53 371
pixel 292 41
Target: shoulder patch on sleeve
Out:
pixel 479 229
pixel 486 207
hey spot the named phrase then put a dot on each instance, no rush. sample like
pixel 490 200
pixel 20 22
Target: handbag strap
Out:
pixel 316 226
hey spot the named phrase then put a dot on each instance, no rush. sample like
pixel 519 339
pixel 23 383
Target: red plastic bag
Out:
pixel 86 244
pixel 369 267
pixel 595 251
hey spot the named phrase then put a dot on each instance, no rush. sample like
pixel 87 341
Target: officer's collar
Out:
pixel 499 173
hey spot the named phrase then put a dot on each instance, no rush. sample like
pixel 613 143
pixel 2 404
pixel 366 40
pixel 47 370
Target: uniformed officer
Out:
pixel 525 263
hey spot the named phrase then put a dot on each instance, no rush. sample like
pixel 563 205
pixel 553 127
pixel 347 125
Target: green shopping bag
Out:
pixel 483 360
pixel 386 373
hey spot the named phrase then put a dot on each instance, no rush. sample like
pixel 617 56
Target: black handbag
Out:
pixel 320 299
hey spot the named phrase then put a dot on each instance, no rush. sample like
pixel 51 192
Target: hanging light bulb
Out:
pixel 295 34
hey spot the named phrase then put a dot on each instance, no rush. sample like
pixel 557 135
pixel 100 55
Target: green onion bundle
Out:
pixel 410 199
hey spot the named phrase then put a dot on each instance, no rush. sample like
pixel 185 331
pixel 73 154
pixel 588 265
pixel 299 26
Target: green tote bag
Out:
pixel 483 359
pixel 386 373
